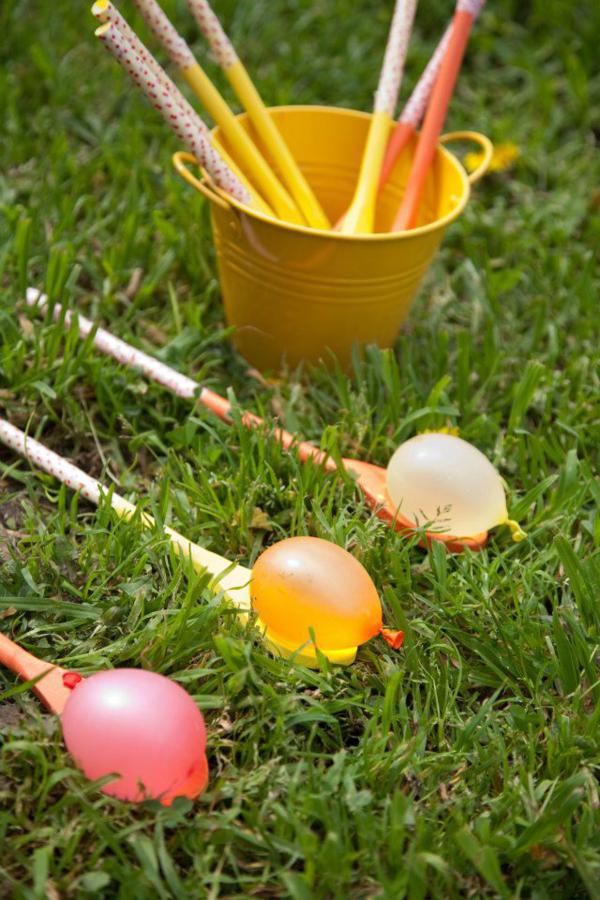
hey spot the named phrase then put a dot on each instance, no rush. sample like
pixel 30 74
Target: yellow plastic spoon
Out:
pixel 360 217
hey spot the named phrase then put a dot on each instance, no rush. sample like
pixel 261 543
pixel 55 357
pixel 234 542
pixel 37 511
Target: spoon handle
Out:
pixel 50 688
pixel 466 12
pixel 173 381
pixel 230 578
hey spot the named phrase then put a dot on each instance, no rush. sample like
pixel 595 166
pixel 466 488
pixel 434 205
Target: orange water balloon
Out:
pixel 305 583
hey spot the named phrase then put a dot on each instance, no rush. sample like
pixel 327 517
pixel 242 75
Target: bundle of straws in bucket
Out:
pixel 325 220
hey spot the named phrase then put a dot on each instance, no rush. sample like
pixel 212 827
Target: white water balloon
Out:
pixel 443 482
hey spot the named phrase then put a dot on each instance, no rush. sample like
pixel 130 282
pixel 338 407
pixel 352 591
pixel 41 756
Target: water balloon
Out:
pixel 441 481
pixel 306 584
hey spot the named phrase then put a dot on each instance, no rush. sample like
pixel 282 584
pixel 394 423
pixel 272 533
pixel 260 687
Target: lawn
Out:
pixel 465 765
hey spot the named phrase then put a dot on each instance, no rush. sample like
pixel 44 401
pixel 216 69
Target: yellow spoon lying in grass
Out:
pixel 301 587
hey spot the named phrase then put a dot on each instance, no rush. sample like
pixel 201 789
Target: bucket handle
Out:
pixel 485 145
pixel 180 161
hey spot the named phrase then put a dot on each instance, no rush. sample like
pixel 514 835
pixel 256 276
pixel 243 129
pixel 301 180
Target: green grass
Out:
pixel 465 765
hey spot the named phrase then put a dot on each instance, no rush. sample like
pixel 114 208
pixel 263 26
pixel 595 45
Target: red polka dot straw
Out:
pixel 288 170
pixel 435 116
pixel 157 371
pixel 414 109
pixel 124 353
pixel 173 43
pixel 208 23
pixel 51 462
pixel 165 98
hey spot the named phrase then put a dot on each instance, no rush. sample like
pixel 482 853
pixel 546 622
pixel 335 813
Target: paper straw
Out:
pixel 392 69
pixel 174 381
pixel 414 109
pixel 210 26
pixel 466 12
pixel 360 217
pixel 228 577
pixel 105 11
pixel 124 353
pixel 174 44
pixel 176 47
pixel 50 462
pixel 227 58
pixel 244 150
pixel 173 113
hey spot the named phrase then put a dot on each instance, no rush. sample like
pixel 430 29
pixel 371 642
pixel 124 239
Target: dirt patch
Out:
pixel 10 715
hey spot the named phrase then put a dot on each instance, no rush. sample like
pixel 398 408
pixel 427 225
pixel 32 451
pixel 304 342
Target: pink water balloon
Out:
pixel 140 727
pixel 143 727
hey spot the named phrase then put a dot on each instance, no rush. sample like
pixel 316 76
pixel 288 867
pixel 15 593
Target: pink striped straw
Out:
pixel 390 79
pixel 172 112
pixel 208 23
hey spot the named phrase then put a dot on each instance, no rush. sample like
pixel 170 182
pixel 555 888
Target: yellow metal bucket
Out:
pixel 293 293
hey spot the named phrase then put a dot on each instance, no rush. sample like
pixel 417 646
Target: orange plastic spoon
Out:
pixel 414 109
pixel 51 688
pixel 466 11
pixel 370 478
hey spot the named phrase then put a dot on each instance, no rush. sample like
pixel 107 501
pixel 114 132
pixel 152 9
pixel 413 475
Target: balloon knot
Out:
pixel 393 638
pixel 517 532
pixel 71 679
pixel 454 430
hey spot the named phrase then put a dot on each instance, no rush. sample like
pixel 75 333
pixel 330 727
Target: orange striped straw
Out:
pixel 466 12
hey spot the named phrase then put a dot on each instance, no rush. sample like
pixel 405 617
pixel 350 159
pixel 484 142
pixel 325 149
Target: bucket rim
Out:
pixel 382 236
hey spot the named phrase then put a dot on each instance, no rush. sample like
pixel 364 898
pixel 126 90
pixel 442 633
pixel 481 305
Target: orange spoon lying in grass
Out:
pixel 307 592
pixel 369 478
